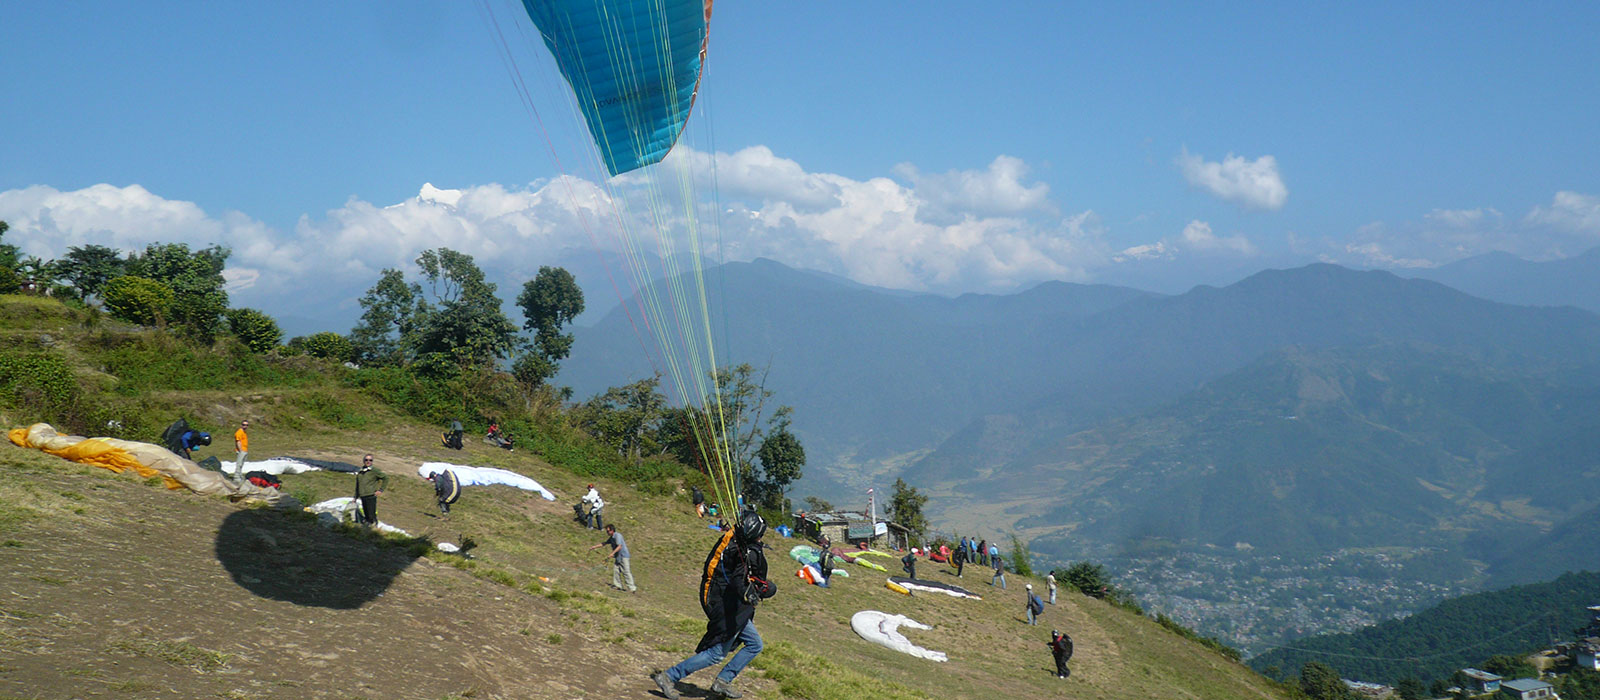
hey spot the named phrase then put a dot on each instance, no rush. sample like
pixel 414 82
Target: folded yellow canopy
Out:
pixel 142 458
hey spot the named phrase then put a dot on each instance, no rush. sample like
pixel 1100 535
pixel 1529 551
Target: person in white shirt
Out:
pixel 592 519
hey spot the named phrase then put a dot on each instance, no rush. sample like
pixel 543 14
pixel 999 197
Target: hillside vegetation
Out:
pixel 1455 634
pixel 120 588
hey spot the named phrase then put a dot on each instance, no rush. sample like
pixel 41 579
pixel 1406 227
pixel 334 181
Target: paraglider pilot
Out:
pixel 1061 648
pixel 446 488
pixel 732 582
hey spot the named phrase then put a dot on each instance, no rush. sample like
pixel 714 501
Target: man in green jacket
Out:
pixel 369 486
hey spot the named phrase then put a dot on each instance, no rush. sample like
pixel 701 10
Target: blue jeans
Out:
pixel 1032 619
pixel 998 576
pixel 749 637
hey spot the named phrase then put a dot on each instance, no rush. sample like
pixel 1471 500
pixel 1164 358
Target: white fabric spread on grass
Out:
pixel 485 476
pixel 883 628
pixel 935 589
pixel 276 465
pixel 337 510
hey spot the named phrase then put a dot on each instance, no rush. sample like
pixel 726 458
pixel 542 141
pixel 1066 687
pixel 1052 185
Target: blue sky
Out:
pixel 930 146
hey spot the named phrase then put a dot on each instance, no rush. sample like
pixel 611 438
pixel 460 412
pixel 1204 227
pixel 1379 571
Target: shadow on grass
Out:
pixel 283 556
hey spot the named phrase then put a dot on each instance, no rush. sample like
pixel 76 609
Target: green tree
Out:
pixel 326 344
pixel 9 258
pixel 1510 666
pixel 1580 684
pixel 1021 558
pixel 625 417
pixel 255 329
pixel 549 301
pixel 782 459
pixel 138 300
pixel 1411 689
pixel 195 277
pixel 468 331
pixel 1320 681
pixel 817 505
pixel 89 268
pixel 392 312
pixel 905 508
pixel 1089 578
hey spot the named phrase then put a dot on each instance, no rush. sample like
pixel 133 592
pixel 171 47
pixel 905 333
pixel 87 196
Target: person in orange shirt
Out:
pixel 241 444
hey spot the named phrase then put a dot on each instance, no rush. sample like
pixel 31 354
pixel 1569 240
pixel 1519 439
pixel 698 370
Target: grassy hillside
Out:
pixel 117 587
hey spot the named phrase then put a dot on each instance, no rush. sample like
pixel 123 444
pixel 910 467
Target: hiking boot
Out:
pixel 664 685
pixel 720 688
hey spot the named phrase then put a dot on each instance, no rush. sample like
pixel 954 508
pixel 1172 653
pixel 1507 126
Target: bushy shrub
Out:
pixel 137 300
pixel 326 344
pixel 255 329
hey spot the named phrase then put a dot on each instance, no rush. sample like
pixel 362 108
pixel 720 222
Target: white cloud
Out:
pixel 997 190
pixel 1253 183
pixel 1569 211
pixel 1463 218
pixel 1568 225
pixel 1197 237
pixel 876 231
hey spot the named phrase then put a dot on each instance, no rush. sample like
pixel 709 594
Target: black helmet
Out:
pixel 751 527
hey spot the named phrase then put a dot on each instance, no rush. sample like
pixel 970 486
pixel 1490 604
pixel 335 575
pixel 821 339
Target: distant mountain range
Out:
pixel 1573 281
pixel 1294 410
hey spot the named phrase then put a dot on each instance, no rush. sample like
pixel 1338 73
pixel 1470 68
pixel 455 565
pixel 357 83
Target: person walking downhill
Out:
pixel 621 569
pixel 909 563
pixel 1050 579
pixel 1034 605
pixel 369 486
pixel 1061 649
pixel 732 582
pixel 241 445
pixel 999 572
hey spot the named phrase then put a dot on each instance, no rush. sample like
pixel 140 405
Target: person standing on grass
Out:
pixel 1050 579
pixel 699 498
pixel 1061 649
pixel 592 498
pixel 999 572
pixel 241 445
pixel 909 563
pixel 732 582
pixel 983 552
pixel 1035 606
pixel 369 486
pixel 621 570
pixel 959 558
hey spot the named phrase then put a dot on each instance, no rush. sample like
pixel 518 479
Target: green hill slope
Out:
pixel 1455 634
pixel 121 588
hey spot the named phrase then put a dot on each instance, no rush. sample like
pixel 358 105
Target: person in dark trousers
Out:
pixel 999 572
pixel 369 486
pixel 446 488
pixel 732 582
pixel 825 560
pixel 983 552
pixel 909 563
pixel 959 558
pixel 699 498
pixel 1061 649
pixel 1034 605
